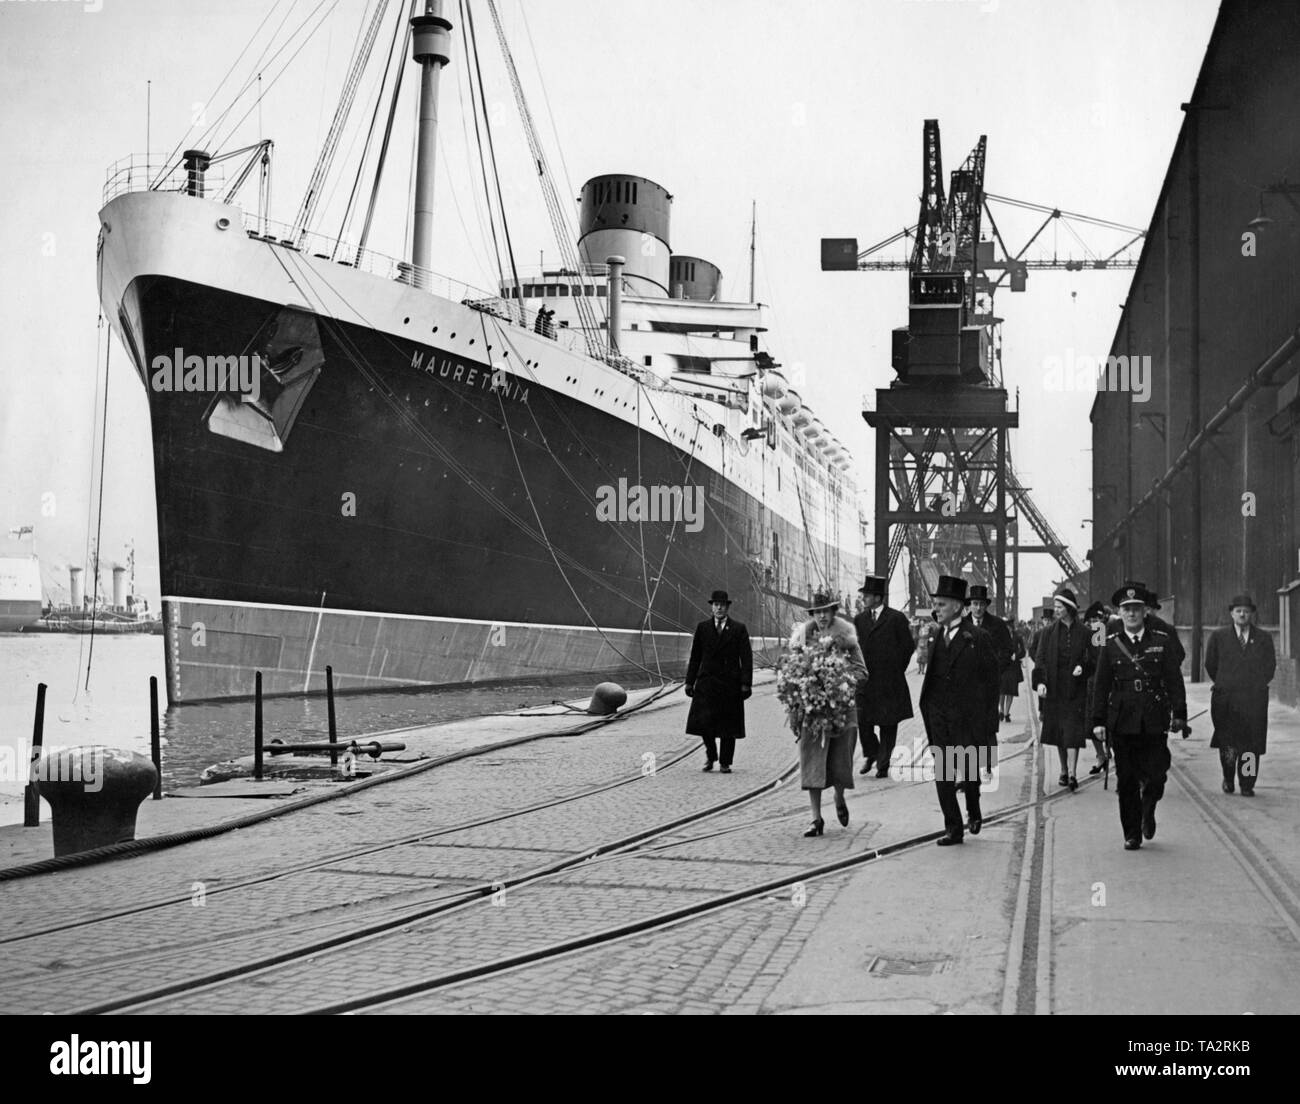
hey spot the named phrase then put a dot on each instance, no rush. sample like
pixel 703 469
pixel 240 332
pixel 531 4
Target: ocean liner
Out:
pixel 433 485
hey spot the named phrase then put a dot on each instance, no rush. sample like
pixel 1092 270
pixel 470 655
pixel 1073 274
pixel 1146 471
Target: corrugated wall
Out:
pixel 1198 290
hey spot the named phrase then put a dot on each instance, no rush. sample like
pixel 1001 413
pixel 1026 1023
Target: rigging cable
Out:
pixel 487 191
pixel 487 127
pixel 99 525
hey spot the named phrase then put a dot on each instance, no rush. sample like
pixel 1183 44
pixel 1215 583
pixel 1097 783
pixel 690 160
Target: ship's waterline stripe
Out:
pixel 313 610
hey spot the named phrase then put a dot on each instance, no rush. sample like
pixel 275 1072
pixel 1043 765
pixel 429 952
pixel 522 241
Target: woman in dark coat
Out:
pixel 1095 619
pixel 828 761
pixel 1012 676
pixel 1241 661
pixel 1063 667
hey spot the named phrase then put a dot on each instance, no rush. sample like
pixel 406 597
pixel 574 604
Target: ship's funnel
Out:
pixel 119 588
pixel 694 278
pixel 74 583
pixel 627 215
pixel 431 50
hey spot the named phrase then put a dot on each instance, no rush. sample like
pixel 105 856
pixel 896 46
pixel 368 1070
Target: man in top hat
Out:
pixel 1240 660
pixel 959 707
pixel 719 677
pixel 883 699
pixel 999 632
pixel 1140 698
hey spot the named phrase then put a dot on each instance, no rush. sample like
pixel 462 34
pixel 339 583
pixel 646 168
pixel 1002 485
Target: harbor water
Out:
pixel 114 709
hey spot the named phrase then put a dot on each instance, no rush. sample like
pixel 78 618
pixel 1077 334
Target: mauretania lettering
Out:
pixel 472 375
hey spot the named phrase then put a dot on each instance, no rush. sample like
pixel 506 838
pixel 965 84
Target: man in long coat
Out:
pixel 1240 660
pixel 999 633
pixel 882 697
pixel 719 677
pixel 959 707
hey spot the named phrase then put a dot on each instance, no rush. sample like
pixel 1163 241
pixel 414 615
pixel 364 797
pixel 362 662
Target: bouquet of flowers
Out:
pixel 816 685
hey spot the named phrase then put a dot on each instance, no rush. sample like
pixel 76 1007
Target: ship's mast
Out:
pixel 753 229
pixel 431 47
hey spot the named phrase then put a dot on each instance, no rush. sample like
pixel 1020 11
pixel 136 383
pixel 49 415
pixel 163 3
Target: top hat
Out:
pixel 1066 595
pixel 951 587
pixel 874 585
pixel 1132 594
pixel 1095 612
pixel 821 600
pixel 719 596
pixel 978 593
pixel 1241 600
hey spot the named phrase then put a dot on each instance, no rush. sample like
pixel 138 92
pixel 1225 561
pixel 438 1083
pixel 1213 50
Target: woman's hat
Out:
pixel 874 585
pixel 1131 594
pixel 950 587
pixel 719 596
pixel 1242 600
pixel 1095 612
pixel 822 600
pixel 979 593
pixel 1066 595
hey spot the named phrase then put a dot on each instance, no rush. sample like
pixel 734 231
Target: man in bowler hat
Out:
pixel 1241 661
pixel 719 677
pixel 883 699
pixel 959 707
pixel 1139 696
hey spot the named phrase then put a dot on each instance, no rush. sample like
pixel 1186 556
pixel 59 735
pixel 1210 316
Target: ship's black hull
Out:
pixel 426 521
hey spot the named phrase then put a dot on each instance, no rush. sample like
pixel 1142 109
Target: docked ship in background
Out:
pixel 438 485
pixel 20 585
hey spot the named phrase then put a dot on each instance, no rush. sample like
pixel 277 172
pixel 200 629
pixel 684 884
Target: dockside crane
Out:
pixel 942 454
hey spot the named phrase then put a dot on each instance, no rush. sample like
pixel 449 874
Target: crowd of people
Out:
pixel 1109 675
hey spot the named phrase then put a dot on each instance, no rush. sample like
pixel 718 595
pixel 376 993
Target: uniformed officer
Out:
pixel 1153 604
pixel 1140 698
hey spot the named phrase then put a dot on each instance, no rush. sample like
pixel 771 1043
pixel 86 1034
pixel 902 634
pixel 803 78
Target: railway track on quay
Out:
pixel 587 895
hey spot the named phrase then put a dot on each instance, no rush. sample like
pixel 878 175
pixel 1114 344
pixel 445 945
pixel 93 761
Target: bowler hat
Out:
pixel 1066 595
pixel 979 593
pixel 822 600
pixel 1241 600
pixel 950 587
pixel 874 585
pixel 1131 594
pixel 719 596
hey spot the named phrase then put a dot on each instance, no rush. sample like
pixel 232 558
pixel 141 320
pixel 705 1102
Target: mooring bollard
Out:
pixel 329 697
pixel 257 728
pixel 94 794
pixel 31 795
pixel 155 738
pixel 606 699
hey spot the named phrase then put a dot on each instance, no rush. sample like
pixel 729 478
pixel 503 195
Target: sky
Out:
pixel 811 110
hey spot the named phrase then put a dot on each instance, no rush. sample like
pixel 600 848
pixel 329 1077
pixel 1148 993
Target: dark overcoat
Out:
pixel 1239 700
pixel 719 676
pixel 1047 662
pixel 959 697
pixel 887 646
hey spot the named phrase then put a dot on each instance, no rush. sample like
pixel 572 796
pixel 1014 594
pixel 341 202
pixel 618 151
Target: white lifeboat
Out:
pixel 789 403
pixel 774 386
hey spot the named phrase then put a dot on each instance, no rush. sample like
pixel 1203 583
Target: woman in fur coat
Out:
pixel 828 761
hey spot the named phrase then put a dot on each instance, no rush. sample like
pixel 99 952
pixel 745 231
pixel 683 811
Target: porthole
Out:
pixel 453 337
pixel 405 321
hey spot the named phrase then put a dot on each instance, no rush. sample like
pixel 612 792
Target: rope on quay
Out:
pixel 131 848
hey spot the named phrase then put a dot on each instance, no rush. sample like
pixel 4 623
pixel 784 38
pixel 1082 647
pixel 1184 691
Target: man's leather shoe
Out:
pixel 866 768
pixel 1247 792
pixel 1132 844
pixel 1149 823
pixel 725 770
pixel 952 836
pixel 882 774
pixel 1228 786
pixel 709 765
pixel 975 824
